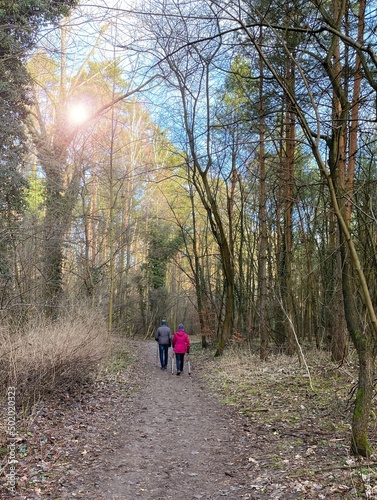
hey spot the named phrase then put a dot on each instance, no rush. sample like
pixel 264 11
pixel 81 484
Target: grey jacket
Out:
pixel 163 335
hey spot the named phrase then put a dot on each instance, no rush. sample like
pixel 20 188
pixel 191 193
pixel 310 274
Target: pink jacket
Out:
pixel 181 342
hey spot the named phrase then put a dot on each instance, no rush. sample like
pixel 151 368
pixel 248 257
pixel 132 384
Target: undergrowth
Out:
pixel 51 357
pixel 308 426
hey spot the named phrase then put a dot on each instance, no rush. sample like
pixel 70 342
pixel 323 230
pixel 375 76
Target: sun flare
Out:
pixel 78 113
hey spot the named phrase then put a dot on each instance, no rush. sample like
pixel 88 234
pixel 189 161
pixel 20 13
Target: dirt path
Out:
pixel 170 440
pixel 147 434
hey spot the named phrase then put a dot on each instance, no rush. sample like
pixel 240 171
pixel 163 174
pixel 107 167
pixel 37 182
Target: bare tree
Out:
pixel 187 68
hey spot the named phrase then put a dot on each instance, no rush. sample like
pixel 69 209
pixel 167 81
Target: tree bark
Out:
pixel 227 264
pixel 289 160
pixel 262 216
pixel 366 349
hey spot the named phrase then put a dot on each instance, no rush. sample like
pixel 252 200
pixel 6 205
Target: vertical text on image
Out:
pixel 12 435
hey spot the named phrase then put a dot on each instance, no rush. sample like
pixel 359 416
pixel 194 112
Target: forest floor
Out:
pixel 235 428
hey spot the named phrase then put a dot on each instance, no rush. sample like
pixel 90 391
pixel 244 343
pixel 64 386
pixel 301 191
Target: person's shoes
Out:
pixel 178 373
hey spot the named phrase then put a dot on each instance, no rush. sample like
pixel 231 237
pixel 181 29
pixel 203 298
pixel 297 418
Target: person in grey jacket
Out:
pixel 163 337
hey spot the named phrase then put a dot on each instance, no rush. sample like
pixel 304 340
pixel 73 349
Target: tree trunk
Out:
pixel 363 402
pixel 53 266
pixel 200 286
pixel 218 230
pixel 366 350
pixel 290 138
pixel 57 221
pixel 263 241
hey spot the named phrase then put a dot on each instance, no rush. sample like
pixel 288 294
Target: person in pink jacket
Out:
pixel 181 345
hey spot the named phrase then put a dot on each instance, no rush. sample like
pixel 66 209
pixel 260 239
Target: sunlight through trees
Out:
pixel 208 163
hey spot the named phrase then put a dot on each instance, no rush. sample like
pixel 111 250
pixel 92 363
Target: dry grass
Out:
pixel 51 357
pixel 285 390
pixel 237 366
pixel 300 431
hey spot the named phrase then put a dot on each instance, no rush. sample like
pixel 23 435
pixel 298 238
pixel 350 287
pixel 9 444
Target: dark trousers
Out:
pixel 179 359
pixel 164 352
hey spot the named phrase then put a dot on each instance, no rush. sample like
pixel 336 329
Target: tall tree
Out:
pixel 339 31
pixel 54 133
pixel 262 215
pixel 188 74
pixel 21 21
pixel 305 72
pixel 342 157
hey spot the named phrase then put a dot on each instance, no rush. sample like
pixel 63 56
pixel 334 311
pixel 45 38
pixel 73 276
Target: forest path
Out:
pixel 139 432
pixel 170 439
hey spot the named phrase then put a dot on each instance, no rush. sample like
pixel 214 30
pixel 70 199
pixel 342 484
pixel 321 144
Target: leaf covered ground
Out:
pixel 236 428
pixel 298 418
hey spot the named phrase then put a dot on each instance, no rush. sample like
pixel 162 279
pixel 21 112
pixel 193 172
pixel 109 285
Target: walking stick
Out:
pixel 172 363
pixel 157 353
pixel 188 364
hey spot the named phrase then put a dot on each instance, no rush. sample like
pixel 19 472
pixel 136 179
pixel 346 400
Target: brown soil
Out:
pixel 169 440
pixel 144 433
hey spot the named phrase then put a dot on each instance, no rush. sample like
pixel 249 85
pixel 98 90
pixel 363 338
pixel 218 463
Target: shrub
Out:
pixel 51 357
